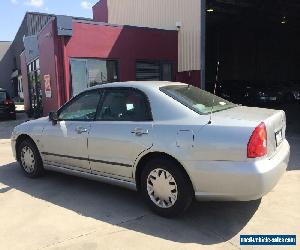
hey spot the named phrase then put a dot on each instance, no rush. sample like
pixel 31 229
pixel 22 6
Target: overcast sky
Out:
pixel 13 11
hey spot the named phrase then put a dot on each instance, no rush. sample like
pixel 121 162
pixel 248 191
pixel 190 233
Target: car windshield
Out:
pixel 2 96
pixel 197 99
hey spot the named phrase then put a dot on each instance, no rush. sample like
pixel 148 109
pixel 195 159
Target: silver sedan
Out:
pixel 170 141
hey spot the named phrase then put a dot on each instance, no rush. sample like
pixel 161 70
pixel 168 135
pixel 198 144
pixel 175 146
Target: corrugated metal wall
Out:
pixel 36 21
pixel 164 14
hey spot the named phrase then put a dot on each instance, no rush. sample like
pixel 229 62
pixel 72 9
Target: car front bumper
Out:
pixel 7 111
pixel 238 181
pixel 13 141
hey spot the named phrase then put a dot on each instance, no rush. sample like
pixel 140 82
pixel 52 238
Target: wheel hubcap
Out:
pixel 27 159
pixel 162 188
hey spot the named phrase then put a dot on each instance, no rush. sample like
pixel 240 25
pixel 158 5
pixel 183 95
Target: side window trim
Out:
pixel 101 100
pixel 145 97
pixel 75 98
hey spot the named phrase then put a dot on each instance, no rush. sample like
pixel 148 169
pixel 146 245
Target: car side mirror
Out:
pixel 53 116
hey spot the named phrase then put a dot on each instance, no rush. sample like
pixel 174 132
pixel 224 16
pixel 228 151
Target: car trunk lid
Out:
pixel 274 120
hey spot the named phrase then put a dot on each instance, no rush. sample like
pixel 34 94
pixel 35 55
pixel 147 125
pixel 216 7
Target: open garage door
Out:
pixel 257 44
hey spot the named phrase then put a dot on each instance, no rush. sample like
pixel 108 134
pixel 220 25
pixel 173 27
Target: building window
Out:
pixel 35 89
pixel 166 71
pixel 153 71
pixel 20 89
pixel 90 72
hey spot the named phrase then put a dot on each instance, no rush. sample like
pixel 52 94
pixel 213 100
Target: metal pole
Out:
pixel 202 43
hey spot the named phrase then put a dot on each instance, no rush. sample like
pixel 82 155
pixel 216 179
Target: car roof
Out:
pixel 137 84
pixel 163 107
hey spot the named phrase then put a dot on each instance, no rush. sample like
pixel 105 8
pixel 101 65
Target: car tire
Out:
pixel 165 187
pixel 30 159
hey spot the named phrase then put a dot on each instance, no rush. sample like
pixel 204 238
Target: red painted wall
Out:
pixel 93 40
pixel 49 63
pixel 100 11
pixel 125 44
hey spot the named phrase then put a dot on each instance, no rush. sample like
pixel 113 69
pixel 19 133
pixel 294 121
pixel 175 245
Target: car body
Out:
pixel 202 147
pixel 7 105
pixel 292 93
pixel 265 93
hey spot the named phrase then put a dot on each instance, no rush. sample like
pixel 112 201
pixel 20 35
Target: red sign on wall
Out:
pixel 48 91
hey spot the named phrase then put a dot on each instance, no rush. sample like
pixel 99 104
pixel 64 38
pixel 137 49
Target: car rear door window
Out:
pixel 82 108
pixel 124 105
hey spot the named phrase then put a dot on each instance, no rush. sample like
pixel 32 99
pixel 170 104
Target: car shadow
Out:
pixel 204 223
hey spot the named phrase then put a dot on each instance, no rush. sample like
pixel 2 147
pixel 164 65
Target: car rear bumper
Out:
pixel 263 100
pixel 238 181
pixel 7 111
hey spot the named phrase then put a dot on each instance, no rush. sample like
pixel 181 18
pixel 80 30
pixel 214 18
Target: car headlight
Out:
pixel 14 135
pixel 261 93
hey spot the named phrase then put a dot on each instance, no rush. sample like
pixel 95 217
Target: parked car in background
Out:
pixel 235 91
pixel 292 91
pixel 264 92
pixel 232 90
pixel 7 106
pixel 170 141
pixel 258 93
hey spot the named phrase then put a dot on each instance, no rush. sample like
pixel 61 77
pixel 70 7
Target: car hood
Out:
pixel 32 125
pixel 36 121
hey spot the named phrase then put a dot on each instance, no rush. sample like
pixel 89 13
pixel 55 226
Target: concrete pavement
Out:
pixel 65 212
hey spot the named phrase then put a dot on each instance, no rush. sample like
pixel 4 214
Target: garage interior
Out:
pixel 257 45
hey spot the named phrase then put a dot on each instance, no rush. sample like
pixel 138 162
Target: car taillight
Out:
pixel 257 145
pixel 8 102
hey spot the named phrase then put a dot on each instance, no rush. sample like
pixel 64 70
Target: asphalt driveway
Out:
pixel 65 212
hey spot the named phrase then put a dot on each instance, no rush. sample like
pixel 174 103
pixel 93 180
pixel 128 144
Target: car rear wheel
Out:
pixel 30 159
pixel 166 187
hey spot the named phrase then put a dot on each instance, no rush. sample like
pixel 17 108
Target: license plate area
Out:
pixel 278 137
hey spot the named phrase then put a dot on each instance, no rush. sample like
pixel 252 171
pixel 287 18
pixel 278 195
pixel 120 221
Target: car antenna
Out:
pixel 215 89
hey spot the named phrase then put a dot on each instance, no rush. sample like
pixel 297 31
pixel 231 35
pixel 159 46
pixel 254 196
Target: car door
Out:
pixel 65 144
pixel 122 130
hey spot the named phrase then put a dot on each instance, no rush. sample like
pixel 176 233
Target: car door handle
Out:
pixel 81 130
pixel 140 131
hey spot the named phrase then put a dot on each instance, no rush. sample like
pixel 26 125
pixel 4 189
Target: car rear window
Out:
pixel 197 99
pixel 3 96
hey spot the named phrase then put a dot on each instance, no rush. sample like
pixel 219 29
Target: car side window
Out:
pixel 124 105
pixel 82 108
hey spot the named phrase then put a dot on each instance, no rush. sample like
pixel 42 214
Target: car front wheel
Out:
pixel 166 187
pixel 30 159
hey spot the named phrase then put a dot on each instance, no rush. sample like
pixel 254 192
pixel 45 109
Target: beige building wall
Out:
pixel 164 14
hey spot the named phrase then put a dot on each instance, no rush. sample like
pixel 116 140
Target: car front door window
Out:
pixel 83 108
